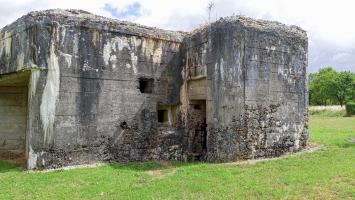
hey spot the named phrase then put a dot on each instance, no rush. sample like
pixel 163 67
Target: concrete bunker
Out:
pixel 14 116
pixel 112 91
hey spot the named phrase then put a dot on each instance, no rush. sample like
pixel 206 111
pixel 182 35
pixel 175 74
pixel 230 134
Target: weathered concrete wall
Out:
pixel 276 91
pixel 101 113
pixel 197 89
pixel 256 87
pixel 87 100
pixel 87 105
pixel 218 50
pixel 24 50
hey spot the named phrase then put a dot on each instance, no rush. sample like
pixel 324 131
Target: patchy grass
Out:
pixel 328 173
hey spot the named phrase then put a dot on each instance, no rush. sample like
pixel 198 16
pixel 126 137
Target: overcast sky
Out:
pixel 330 23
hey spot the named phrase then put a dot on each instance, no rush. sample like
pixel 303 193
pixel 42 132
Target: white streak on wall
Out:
pixel 157 55
pixel 113 46
pixel 136 41
pixel 113 60
pixel 7 42
pixel 20 61
pixel 67 58
pixel 63 34
pixel 221 66
pixel 76 45
pixel 297 135
pixel 50 95
pixel 134 60
pixel 33 82
pixel 107 52
pixel 32 159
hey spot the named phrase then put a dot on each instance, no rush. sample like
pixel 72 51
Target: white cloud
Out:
pixel 329 23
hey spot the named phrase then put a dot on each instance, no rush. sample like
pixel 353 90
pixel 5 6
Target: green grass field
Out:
pixel 328 173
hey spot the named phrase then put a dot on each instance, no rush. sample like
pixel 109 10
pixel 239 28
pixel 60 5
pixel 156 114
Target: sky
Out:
pixel 329 23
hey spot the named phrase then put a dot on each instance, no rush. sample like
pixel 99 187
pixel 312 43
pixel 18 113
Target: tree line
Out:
pixel 329 87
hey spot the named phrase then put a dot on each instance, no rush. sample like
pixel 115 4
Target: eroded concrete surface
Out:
pixel 233 90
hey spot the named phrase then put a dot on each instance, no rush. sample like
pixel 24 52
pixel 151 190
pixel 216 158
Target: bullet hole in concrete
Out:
pixel 124 125
pixel 146 85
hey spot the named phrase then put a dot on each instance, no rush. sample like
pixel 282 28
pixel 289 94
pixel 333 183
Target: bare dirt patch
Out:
pixel 17 158
pixel 164 171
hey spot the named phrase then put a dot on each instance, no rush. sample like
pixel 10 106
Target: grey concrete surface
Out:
pixel 235 89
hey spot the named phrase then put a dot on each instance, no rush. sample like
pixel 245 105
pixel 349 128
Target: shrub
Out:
pixel 325 113
pixel 350 108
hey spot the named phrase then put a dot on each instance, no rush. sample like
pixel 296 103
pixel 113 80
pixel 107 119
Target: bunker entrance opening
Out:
pixel 13 116
pixel 162 116
pixel 198 131
pixel 146 85
pixel 166 114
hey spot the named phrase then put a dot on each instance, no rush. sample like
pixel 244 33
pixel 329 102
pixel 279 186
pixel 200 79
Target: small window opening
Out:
pixel 146 85
pixel 162 116
pixel 197 107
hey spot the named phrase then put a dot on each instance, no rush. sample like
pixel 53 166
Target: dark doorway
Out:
pixel 13 116
pixel 198 129
pixel 162 116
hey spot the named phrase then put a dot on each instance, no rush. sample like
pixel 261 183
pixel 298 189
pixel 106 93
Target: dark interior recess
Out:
pixel 197 107
pixel 146 85
pixel 198 133
pixel 13 116
pixel 162 116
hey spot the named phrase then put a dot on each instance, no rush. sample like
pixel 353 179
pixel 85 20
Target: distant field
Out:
pixel 327 111
pixel 327 108
pixel 328 173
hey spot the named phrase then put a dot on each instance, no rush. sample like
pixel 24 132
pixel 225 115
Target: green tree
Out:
pixel 328 86
pixel 321 86
pixel 344 87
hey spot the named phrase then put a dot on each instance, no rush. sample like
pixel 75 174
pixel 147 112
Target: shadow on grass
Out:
pixel 346 144
pixel 153 165
pixel 9 167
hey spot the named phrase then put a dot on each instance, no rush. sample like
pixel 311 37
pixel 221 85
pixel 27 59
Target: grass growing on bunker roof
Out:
pixel 328 173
